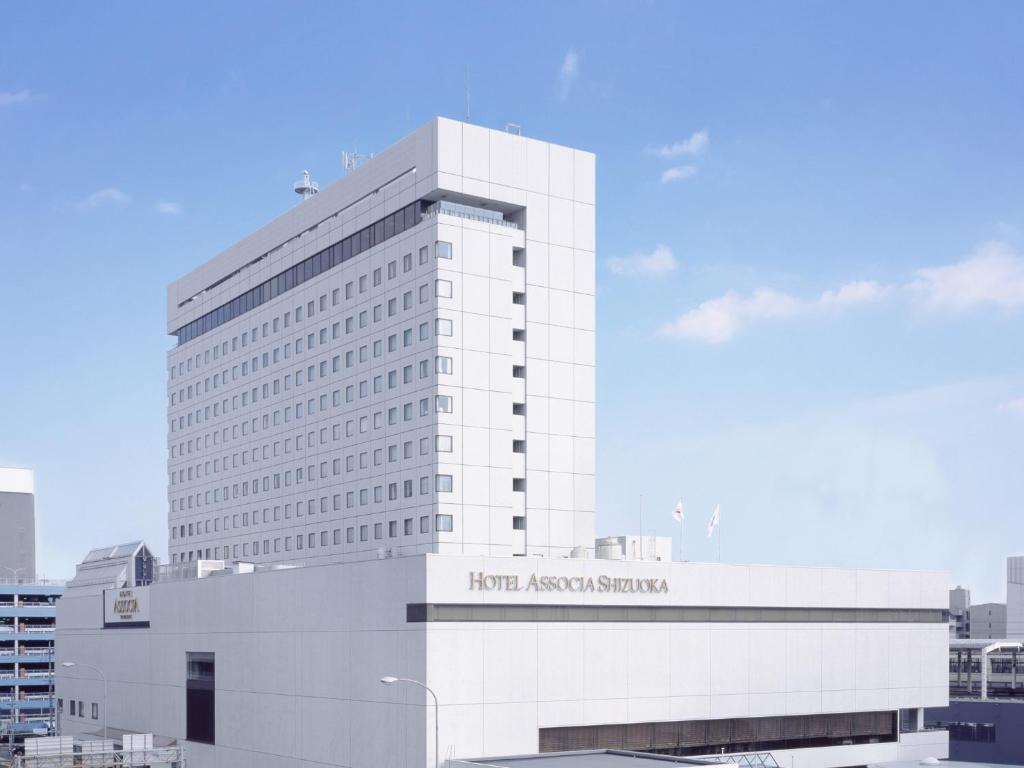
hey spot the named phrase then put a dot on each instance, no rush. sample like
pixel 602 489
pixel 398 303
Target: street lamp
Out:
pixel 14 572
pixel 103 677
pixel 389 680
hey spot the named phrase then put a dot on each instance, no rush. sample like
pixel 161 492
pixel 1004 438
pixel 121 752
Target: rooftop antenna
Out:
pixel 306 188
pixel 352 160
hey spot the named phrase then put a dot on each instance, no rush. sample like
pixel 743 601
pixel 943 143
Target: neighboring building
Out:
pixel 403 363
pixel 988 621
pixel 27 616
pixel 959 612
pixel 1015 596
pixel 378 400
pixel 985 714
pixel 17 524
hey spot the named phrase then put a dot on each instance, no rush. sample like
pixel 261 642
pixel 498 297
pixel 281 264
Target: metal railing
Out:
pixel 469 212
pixel 171 756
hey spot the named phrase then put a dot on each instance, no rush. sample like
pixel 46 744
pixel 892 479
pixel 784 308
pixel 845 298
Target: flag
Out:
pixel 677 513
pixel 713 522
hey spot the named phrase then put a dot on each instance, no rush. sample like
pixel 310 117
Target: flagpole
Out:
pixel 681 517
pixel 719 535
pixel 641 526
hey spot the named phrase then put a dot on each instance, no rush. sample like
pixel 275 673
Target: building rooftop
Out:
pixel 596 758
pixel 16 480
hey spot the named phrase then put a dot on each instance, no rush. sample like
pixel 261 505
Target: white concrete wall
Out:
pixel 516 678
pixel 299 654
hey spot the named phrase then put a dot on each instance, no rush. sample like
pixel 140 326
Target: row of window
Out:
pixel 442 523
pixel 212 468
pixel 307 342
pixel 366 238
pixel 79 710
pixel 442 444
pixel 442 249
pixel 442 484
pixel 404 412
pixel 442 327
pixel 443 365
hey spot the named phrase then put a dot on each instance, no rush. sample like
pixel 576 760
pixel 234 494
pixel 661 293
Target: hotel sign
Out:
pixel 496 582
pixel 126 608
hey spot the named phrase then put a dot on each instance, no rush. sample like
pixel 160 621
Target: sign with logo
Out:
pixel 494 582
pixel 126 608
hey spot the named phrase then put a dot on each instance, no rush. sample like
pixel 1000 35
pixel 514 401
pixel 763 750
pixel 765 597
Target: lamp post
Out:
pixel 14 572
pixel 389 680
pixel 103 677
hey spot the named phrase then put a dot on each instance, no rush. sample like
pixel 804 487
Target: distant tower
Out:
pixel 306 188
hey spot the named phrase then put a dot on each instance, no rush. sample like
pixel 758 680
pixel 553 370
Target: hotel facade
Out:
pixel 381 464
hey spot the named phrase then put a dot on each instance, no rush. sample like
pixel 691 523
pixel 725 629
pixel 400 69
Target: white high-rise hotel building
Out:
pixel 403 363
pixel 391 387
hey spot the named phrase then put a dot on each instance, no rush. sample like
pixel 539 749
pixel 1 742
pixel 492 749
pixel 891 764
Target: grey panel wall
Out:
pixel 17 535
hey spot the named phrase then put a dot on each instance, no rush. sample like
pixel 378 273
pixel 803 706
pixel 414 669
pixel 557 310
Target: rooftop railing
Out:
pixel 463 211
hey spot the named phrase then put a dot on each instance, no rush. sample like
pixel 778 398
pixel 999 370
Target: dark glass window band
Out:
pixel 430 612
pixel 745 734
pixel 366 238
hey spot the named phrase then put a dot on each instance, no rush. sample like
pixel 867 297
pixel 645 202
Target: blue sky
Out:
pixel 811 260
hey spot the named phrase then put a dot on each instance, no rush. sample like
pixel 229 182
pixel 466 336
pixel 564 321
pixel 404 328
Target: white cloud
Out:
pixel 857 292
pixel 693 146
pixel 104 196
pixel 167 208
pixel 677 173
pixel 568 73
pixel 7 98
pixel 993 274
pixel 657 262
pixel 1015 407
pixel 718 320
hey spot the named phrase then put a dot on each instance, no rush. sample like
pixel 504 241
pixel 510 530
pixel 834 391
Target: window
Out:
pixel 442 250
pixel 442 364
pixel 519 371
pixel 364 533
pixel 350 535
pixel 443 483
pixel 518 334
pixel 95 711
pixel 518 523
pixel 443 443
pixel 519 484
pixel 443 327
pixel 443 289
pixel 378 530
pixel 72 706
pixel 443 404
pixel 518 297
pixel 442 522
pixel 424 254
pixel 519 409
pixel 407 526
pixel 425 524
pixel 392 529
pixel 518 446
pixel 407 262
pixel 200 706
